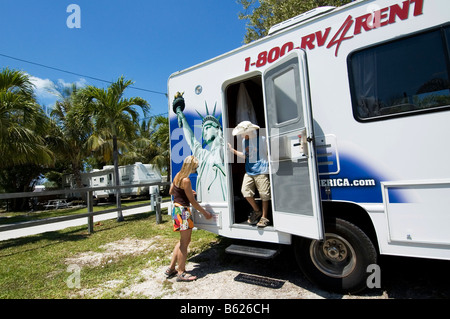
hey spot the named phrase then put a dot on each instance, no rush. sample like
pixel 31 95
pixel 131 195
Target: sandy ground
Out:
pixel 223 276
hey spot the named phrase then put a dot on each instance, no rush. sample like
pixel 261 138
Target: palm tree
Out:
pixel 23 124
pixel 161 141
pixel 151 144
pixel 115 120
pixel 72 129
pixel 24 151
pixel 140 149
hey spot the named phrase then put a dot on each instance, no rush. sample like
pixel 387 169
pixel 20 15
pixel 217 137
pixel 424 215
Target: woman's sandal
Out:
pixel 170 272
pixel 186 277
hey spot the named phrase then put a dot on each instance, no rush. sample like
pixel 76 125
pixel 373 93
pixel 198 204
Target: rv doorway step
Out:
pixel 256 252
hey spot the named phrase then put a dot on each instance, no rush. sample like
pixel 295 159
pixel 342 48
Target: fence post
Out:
pixel 119 204
pixel 90 207
pixel 158 210
pixel 153 201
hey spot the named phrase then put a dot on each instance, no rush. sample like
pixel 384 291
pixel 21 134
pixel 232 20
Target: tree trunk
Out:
pixel 116 174
pixel 76 171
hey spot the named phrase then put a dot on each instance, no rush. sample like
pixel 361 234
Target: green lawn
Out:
pixel 35 266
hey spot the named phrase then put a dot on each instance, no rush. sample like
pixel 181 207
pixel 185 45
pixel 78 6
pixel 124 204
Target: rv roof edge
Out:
pixel 300 18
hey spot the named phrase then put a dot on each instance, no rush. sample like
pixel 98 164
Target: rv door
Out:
pixel 295 189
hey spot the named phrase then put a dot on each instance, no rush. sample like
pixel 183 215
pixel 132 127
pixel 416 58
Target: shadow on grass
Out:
pixel 71 234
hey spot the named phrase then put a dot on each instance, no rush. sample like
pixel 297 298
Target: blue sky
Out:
pixel 144 40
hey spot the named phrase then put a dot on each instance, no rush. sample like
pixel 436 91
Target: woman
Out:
pixel 183 197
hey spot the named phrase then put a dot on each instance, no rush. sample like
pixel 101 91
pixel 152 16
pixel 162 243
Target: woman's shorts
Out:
pixel 260 182
pixel 182 218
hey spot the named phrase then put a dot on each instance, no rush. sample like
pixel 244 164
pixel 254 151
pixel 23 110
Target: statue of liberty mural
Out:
pixel 211 181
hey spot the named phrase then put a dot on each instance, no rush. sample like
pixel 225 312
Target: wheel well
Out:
pixel 352 213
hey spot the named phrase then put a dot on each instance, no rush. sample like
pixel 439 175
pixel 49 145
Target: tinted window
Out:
pixel 285 96
pixel 402 77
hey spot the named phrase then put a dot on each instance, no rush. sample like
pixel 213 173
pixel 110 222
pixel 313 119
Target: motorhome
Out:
pixel 354 102
pixel 136 173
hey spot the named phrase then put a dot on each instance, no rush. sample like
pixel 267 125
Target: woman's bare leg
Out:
pixel 183 249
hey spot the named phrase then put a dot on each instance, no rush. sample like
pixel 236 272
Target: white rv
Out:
pixel 139 173
pixel 136 173
pixel 355 104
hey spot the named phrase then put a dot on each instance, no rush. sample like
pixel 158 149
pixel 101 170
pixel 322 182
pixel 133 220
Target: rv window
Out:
pixel 285 96
pixel 447 37
pixel 403 77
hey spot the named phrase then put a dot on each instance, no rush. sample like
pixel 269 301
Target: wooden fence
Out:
pixel 155 200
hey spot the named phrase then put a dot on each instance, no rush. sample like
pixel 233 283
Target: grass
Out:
pixel 34 267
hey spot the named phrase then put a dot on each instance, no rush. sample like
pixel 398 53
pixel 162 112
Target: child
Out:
pixel 257 170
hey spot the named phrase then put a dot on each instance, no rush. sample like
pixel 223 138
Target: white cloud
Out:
pixel 45 89
pixel 80 83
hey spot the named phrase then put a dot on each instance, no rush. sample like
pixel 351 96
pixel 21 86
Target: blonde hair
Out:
pixel 190 164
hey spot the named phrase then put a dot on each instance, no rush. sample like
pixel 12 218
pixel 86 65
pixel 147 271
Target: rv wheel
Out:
pixel 339 262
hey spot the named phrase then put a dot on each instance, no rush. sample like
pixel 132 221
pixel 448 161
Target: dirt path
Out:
pixel 223 276
pixel 218 276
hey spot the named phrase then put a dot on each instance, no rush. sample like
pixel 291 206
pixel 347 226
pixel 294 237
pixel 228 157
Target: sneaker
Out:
pixel 263 222
pixel 254 217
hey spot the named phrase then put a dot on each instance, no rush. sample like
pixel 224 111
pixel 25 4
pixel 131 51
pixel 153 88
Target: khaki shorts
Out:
pixel 261 182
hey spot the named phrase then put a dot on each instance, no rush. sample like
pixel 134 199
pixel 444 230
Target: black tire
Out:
pixel 339 262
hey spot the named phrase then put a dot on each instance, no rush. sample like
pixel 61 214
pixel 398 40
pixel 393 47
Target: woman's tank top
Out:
pixel 179 196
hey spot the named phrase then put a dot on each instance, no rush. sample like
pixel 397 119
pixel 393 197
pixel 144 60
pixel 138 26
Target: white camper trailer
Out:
pixel 355 104
pixel 101 178
pixel 139 173
pixel 136 173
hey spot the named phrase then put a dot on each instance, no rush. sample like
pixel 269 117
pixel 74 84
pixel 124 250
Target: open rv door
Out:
pixel 295 188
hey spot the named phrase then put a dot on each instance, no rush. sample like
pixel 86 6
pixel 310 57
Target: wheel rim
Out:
pixel 334 256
